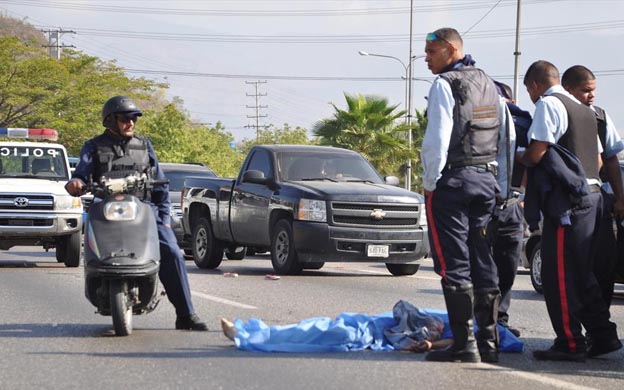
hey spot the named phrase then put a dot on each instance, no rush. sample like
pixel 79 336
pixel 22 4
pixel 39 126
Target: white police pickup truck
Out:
pixel 35 209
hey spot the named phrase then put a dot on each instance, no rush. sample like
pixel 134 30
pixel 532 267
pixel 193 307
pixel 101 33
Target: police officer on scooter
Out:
pixel 107 154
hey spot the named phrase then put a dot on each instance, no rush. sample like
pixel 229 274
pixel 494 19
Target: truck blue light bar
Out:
pixel 17 132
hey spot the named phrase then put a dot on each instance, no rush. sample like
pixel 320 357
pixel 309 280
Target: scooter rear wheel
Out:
pixel 121 308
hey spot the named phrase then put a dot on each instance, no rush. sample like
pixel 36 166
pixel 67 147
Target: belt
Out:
pixel 475 167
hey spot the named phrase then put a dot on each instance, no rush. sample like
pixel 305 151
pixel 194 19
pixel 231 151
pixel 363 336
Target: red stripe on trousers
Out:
pixel 565 314
pixel 436 239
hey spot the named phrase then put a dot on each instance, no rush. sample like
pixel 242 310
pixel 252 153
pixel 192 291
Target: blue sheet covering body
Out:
pixel 347 332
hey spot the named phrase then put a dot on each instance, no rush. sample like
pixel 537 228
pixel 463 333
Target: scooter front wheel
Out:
pixel 121 308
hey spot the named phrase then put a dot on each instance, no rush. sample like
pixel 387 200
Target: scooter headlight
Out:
pixel 120 211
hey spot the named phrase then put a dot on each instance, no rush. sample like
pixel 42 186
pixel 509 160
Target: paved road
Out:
pixel 50 337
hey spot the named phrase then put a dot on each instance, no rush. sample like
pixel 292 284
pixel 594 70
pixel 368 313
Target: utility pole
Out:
pixel 408 176
pixel 54 42
pixel 517 52
pixel 257 106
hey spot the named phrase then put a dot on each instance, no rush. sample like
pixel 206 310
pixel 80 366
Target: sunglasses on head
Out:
pixel 433 37
pixel 126 118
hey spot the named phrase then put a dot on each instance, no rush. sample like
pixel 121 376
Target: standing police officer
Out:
pixel 563 126
pixel 107 154
pixel 507 227
pixel 581 83
pixel 458 156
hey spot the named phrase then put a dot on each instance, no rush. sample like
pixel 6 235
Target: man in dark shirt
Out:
pixel 119 116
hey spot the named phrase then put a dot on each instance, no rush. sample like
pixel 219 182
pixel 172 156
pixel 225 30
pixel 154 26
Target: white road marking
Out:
pixel 222 300
pixel 539 378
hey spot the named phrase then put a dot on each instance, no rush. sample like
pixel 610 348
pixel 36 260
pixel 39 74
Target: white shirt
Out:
pixel 550 120
pixel 502 158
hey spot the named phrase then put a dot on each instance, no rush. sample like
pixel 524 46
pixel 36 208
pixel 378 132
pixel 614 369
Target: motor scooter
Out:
pixel 121 250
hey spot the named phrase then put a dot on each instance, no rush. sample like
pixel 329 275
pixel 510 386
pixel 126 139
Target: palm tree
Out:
pixel 369 126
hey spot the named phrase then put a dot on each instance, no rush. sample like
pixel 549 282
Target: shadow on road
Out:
pixel 53 330
pixel 519 364
pixel 30 264
pixel 262 271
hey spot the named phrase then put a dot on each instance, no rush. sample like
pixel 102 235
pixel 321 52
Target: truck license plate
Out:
pixel 378 250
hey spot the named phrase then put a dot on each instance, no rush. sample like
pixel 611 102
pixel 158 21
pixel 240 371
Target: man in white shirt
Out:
pixel 581 83
pixel 571 292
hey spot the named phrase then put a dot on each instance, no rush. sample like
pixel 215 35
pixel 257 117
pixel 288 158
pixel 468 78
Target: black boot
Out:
pixel 191 322
pixel 486 313
pixel 459 306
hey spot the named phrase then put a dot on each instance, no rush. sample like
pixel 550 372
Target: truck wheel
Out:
pixel 61 249
pixel 68 250
pixel 402 269
pixel 536 268
pixel 283 255
pixel 207 251
pixel 232 255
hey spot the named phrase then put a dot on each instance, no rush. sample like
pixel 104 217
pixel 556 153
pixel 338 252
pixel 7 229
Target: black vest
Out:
pixel 580 137
pixel 476 123
pixel 601 118
pixel 117 158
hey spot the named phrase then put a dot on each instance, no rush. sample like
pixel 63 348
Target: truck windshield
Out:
pixel 332 166
pixel 38 162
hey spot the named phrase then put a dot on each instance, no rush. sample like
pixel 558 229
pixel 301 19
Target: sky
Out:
pixel 302 55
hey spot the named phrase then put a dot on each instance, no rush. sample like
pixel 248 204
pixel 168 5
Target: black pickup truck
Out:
pixel 307 205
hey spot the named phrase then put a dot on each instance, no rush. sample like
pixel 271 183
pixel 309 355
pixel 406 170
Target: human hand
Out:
pixel 75 187
pixel 618 208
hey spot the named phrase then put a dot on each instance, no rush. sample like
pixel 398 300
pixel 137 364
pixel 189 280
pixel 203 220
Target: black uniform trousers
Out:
pixel 458 212
pixel 572 294
pixel 605 261
pixel 172 271
pixel 507 231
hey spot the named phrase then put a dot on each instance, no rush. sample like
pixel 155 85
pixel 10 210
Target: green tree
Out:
pixel 368 126
pixel 275 135
pixel 28 80
pixel 67 95
pixel 176 139
pixel 38 91
pixel 418 132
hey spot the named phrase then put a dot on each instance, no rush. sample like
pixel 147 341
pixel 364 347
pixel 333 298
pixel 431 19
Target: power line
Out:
pixel 609 72
pixel 481 19
pixel 456 6
pixel 342 38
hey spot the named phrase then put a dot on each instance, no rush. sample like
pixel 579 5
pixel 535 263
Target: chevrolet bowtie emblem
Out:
pixel 377 214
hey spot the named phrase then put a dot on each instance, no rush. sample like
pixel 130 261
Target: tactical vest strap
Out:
pixel 601 117
pixel 120 158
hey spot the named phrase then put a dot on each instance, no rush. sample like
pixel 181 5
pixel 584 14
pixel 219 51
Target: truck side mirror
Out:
pixel 391 180
pixel 254 176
